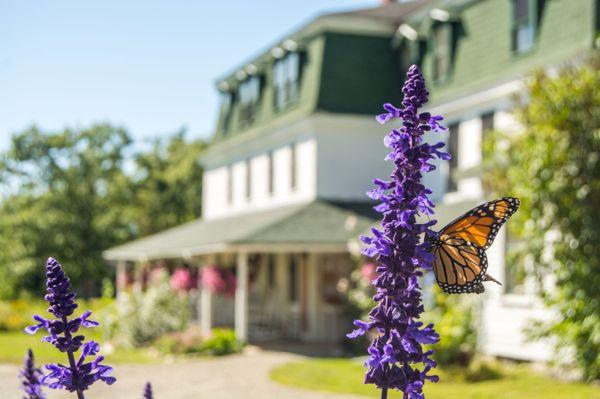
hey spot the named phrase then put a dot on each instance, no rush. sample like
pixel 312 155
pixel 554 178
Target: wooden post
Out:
pixel 121 278
pixel 241 297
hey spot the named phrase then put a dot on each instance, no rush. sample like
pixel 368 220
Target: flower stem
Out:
pixel 72 359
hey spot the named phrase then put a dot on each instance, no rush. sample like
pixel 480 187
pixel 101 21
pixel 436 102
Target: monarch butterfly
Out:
pixel 460 263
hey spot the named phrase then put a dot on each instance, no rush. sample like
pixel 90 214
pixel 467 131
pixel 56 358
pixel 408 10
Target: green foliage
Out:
pixel 222 341
pixel 168 187
pixel 184 342
pixel 140 318
pixel 62 190
pixel 454 322
pixel 553 165
pixel 69 194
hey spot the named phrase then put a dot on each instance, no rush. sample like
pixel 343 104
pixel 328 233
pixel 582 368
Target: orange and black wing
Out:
pixel 480 225
pixel 459 266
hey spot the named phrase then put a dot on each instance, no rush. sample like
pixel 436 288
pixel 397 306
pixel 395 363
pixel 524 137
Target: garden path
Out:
pixel 230 377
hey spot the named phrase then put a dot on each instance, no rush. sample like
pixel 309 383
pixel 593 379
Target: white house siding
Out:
pixel 215 194
pixel 350 155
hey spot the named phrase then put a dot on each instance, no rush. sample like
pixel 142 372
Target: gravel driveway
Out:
pixel 236 376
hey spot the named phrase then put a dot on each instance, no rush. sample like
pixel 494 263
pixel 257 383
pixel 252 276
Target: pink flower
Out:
pixel 217 280
pixel 368 272
pixel 181 280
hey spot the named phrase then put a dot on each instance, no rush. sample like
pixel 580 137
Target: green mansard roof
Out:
pixel 352 61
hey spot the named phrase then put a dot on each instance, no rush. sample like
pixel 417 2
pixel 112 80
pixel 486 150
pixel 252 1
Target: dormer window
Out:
pixel 442 51
pixel 523 30
pixel 226 102
pixel 249 94
pixel 286 77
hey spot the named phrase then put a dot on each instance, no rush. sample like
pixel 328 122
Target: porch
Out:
pixel 286 265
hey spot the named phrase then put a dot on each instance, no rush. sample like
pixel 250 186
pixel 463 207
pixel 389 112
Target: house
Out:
pixel 296 148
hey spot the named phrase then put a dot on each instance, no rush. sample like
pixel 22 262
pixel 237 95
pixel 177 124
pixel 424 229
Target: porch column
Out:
pixel 121 278
pixel 138 272
pixel 313 291
pixel 241 297
pixel 205 308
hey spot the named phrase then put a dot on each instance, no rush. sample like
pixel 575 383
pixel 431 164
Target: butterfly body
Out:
pixel 460 263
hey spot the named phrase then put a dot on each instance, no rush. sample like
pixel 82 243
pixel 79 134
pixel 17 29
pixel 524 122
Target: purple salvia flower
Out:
pixel 30 378
pixel 148 391
pixel 62 333
pixel 402 254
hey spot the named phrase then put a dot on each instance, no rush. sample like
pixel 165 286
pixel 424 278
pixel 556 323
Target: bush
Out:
pixel 221 342
pixel 184 342
pixel 453 318
pixel 557 154
pixel 141 318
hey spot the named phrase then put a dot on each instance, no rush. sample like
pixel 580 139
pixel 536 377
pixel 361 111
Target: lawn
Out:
pixel 13 346
pixel 345 376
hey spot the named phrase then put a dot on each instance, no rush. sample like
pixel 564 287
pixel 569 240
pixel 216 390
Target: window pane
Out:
pixel 521 9
pixel 524 39
pixel 453 149
pixel 285 80
pixel 294 279
pixel 441 51
pixel 271 271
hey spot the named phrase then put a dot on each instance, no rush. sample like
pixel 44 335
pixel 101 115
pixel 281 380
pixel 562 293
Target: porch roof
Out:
pixel 319 226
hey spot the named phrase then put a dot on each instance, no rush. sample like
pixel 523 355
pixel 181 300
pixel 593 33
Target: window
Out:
pixel 523 31
pixel 453 164
pixel 249 93
pixel 294 279
pixel 225 112
pixel 248 179
pixel 271 182
pixel 487 125
pixel 293 167
pixel 286 76
pixel 409 55
pixel 442 37
pixel 271 271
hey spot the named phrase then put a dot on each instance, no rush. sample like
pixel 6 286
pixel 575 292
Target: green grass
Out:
pixel 13 346
pixel 345 376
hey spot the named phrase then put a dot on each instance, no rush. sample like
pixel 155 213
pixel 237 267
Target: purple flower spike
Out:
pixel 62 333
pixel 396 356
pixel 148 391
pixel 30 378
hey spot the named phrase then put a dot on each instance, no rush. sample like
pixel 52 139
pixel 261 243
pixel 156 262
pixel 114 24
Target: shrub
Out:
pixel 453 317
pixel 184 342
pixel 141 318
pixel 557 154
pixel 221 342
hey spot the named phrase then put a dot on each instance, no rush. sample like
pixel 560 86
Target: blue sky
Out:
pixel 147 65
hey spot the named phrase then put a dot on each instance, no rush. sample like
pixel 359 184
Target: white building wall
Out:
pixel 350 155
pixel 215 183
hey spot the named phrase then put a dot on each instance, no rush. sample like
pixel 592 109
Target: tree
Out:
pixel 66 197
pixel 168 183
pixel 554 167
pixel 74 193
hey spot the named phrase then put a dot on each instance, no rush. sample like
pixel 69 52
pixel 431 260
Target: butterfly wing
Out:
pixel 480 225
pixel 459 266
